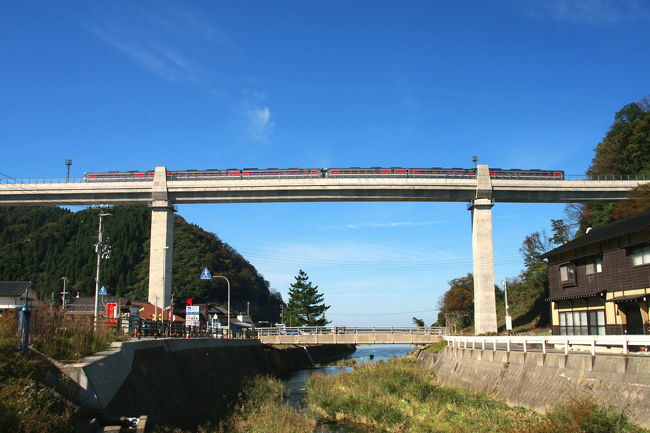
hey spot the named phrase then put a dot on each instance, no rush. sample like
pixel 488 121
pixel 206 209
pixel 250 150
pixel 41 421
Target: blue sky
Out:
pixel 126 85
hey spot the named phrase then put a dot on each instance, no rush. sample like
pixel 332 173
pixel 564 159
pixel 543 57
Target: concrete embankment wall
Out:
pixel 541 382
pixel 180 382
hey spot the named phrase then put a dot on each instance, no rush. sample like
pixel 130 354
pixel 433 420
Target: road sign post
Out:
pixel 192 315
pixel 205 275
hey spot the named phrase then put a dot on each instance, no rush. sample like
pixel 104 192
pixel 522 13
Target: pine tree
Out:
pixel 306 306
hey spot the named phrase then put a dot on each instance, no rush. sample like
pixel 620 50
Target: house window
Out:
pixel 582 322
pixel 594 266
pixel 567 273
pixel 597 322
pixel 641 256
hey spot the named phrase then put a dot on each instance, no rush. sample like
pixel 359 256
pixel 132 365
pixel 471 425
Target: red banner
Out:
pixel 111 314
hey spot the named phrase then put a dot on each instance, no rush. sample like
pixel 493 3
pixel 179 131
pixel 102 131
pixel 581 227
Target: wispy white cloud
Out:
pixel 259 124
pixel 174 42
pixel 182 45
pixel 389 224
pixel 587 11
pixel 360 256
pixel 399 224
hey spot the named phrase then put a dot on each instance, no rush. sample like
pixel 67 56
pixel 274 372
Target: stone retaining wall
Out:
pixel 540 382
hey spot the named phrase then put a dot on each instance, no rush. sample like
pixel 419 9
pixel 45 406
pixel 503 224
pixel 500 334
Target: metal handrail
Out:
pixel 32 180
pixel 38 180
pixel 328 330
pixel 564 341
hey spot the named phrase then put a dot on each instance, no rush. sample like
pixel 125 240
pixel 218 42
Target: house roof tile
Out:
pixel 14 288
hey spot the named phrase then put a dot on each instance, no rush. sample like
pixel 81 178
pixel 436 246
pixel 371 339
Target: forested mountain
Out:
pixel 43 244
pixel 625 151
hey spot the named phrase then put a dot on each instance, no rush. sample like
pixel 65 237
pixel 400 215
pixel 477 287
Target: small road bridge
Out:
pixel 349 335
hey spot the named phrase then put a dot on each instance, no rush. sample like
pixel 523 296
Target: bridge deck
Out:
pixel 291 190
pixel 352 339
pixel 349 335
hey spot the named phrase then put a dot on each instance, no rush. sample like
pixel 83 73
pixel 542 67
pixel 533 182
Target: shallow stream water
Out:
pixel 295 384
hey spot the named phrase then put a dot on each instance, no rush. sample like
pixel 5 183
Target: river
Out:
pixel 295 384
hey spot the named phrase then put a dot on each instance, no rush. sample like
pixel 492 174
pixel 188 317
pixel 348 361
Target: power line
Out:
pixel 350 264
pixel 382 314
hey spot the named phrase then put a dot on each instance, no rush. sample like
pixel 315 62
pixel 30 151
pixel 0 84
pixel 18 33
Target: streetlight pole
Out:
pixel 228 282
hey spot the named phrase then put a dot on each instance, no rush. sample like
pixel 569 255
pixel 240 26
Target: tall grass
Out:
pixel 582 415
pixel 400 396
pixel 260 408
pixel 436 347
pixel 64 339
pixel 26 406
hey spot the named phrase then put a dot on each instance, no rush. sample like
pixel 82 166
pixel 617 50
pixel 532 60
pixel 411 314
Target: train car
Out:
pixel 118 176
pixel 351 172
pixel 359 172
pixel 438 172
pixel 532 174
pixel 269 173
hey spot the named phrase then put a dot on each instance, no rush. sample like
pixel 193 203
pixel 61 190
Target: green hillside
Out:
pixel 43 244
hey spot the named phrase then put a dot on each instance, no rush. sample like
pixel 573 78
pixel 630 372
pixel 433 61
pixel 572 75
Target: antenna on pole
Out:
pixel 474 160
pixel 68 163
pixel 64 292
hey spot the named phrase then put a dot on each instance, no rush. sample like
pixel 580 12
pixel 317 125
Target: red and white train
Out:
pixel 352 172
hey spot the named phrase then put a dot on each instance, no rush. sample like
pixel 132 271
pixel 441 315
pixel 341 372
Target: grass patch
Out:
pixel 346 362
pixel 400 396
pixel 436 347
pixel 66 340
pixel 583 415
pixel 26 406
pixel 260 408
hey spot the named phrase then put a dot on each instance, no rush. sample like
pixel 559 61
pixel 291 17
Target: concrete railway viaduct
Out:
pixel 162 194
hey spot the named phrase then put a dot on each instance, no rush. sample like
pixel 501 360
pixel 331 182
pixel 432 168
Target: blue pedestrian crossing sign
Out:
pixel 102 291
pixel 205 275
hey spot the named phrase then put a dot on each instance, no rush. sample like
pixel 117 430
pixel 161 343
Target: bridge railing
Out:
pixel 34 180
pixel 38 180
pixel 327 330
pixel 606 177
pixel 544 343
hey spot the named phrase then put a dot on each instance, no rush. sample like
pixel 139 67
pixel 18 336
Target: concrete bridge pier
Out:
pixel 485 312
pixel 162 242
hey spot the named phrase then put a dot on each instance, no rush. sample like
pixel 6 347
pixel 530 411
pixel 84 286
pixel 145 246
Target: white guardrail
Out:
pixel 325 330
pixel 565 342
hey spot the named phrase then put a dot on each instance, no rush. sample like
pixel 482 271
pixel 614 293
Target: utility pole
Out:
pixel 68 163
pixel 103 252
pixel 64 292
pixel 508 318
